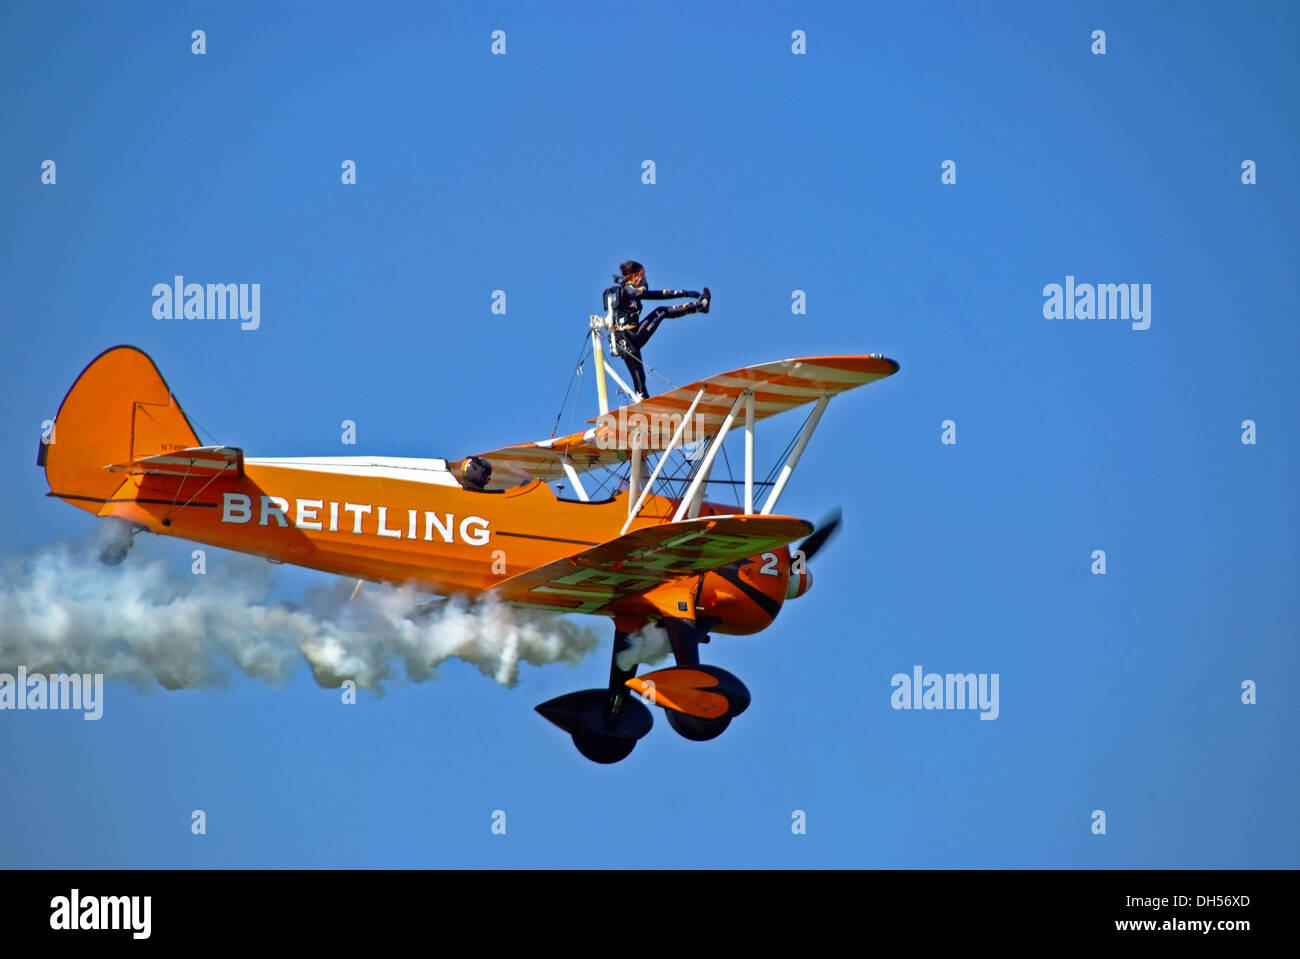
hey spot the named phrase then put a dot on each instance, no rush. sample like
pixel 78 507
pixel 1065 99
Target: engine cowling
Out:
pixel 745 597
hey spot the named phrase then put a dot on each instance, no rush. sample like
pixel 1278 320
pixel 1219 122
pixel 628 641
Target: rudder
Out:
pixel 120 408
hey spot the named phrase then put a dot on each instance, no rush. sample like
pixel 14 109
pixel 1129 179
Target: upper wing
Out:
pixel 778 386
pixel 589 581
pixel 198 461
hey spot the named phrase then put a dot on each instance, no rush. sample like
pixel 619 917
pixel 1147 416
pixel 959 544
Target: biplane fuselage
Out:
pixel 122 449
pixel 362 519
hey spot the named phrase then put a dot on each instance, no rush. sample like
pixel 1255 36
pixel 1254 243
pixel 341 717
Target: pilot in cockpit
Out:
pixel 475 473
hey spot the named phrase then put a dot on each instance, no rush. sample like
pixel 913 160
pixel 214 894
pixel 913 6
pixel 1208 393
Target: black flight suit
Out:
pixel 631 332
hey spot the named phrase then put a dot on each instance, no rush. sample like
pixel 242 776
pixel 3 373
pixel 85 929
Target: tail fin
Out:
pixel 119 409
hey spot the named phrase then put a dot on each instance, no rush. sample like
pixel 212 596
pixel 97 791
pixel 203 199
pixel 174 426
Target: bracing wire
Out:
pixel 577 371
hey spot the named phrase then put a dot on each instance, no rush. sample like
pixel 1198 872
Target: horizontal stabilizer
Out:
pixel 200 461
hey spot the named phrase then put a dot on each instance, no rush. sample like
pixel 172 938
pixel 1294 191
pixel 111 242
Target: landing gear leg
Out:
pixel 605 723
pixel 685 637
pixel 618 677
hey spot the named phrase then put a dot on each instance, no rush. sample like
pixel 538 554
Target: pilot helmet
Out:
pixel 477 471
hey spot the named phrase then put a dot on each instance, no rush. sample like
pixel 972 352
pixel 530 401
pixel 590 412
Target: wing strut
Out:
pixel 702 473
pixel 663 458
pixel 788 469
pixel 634 475
pixel 749 454
pixel 572 474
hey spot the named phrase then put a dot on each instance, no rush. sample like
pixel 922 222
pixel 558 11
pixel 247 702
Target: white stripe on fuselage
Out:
pixel 432 471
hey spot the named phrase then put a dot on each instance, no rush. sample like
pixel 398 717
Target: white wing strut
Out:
pixel 663 458
pixel 702 473
pixel 788 469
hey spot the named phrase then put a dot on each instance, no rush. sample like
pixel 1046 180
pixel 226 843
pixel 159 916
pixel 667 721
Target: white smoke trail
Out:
pixel 650 645
pixel 62 610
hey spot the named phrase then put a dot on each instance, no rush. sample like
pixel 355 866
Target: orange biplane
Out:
pixel 653 551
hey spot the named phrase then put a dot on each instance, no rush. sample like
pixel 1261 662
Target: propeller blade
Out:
pixel 825 530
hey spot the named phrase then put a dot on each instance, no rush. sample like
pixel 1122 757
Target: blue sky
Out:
pixel 774 172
